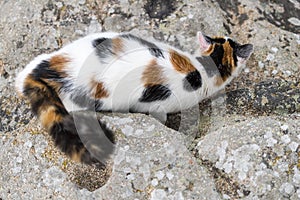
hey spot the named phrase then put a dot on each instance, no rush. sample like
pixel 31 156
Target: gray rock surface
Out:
pixel 244 144
pixel 261 154
pixel 152 162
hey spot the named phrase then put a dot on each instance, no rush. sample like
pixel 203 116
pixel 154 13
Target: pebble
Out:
pixel 154 182
pixel 285 139
pixel 293 146
pixel 271 142
pixel 151 128
pixel 59 5
pixel 270 57
pixel 183 19
pixel 169 175
pixel 79 32
pixel 28 144
pixel 81 2
pixel 283 167
pixel 261 64
pixel 94 27
pixel 130 177
pixel 284 127
pixel 190 16
pixel 138 132
pixel 178 196
pixel 294 21
pixel 160 175
pixel 158 194
pixel 296 3
pixel 287 73
pixel 227 167
pixel 19 159
pixel 16 170
pixel 127 130
pixel 266 73
pixel 287 188
pixel 296 177
pixel 274 49
pixel 225 196
pixel 274 72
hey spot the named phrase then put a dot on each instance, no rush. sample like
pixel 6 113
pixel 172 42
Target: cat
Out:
pixel 121 72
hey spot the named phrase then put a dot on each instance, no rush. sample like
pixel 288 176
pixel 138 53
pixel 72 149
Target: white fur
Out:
pixel 20 79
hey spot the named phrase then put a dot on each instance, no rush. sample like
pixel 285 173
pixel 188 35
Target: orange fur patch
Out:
pixel 58 63
pixel 77 155
pixel 98 90
pixel 227 59
pixel 153 74
pixel 29 82
pixel 48 116
pixel 181 63
pixel 118 45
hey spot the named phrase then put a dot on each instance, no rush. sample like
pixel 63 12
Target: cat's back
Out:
pixel 120 70
pixel 109 49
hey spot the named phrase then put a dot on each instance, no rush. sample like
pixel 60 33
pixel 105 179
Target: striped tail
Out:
pixel 85 142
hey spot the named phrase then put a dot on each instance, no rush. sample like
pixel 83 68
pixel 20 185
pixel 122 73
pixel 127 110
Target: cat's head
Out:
pixel 226 53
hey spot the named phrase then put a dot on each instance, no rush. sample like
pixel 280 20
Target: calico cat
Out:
pixel 121 72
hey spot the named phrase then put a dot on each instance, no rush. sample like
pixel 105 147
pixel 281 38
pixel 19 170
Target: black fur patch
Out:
pixel 98 140
pixel 98 41
pixel 85 101
pixel 232 43
pixel 208 39
pixel 154 50
pixel 209 65
pixel 217 56
pixel 35 103
pixel 192 81
pixel 39 96
pixel 155 93
pixel 214 40
pixel 66 137
pixel 219 40
pixel 43 98
pixel 43 71
pixel 234 46
pixel 103 47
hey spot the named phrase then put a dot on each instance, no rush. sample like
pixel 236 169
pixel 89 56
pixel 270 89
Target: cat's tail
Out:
pixel 39 83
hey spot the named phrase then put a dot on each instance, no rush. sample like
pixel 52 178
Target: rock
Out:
pixel 258 154
pixel 145 162
pixel 253 157
pixel 270 96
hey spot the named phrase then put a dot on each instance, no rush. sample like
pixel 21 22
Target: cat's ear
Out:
pixel 204 41
pixel 244 51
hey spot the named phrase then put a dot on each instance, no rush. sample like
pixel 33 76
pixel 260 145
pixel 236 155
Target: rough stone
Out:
pixel 253 153
pixel 143 161
pixel 240 156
